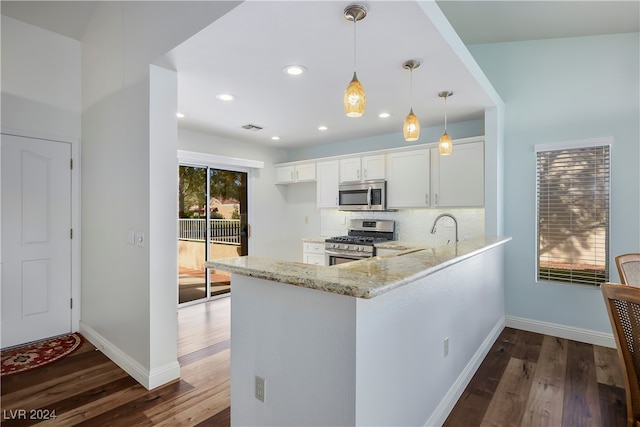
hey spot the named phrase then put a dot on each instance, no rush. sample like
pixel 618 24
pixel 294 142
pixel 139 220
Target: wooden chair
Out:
pixel 629 269
pixel 623 306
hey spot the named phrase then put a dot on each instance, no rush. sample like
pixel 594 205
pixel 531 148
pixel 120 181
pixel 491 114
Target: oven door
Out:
pixel 336 258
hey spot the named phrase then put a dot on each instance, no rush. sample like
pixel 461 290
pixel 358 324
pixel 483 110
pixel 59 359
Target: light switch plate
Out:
pixel 139 236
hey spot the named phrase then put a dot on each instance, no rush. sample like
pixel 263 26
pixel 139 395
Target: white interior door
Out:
pixel 36 240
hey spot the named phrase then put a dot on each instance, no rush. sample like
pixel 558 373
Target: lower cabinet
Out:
pixel 313 253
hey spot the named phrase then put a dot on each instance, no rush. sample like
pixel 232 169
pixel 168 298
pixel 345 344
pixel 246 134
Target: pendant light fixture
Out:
pixel 411 127
pixel 354 96
pixel 445 146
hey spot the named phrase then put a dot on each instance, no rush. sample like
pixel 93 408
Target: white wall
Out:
pixel 331 359
pixel 125 308
pixel 40 81
pixel 562 90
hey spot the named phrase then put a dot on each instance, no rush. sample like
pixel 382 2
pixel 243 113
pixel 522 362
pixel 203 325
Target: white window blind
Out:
pixel 573 214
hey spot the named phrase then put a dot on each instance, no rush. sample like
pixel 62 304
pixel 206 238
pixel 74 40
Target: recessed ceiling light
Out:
pixel 322 128
pixel 224 97
pixel 294 70
pixel 179 115
pixel 275 138
pixel 383 115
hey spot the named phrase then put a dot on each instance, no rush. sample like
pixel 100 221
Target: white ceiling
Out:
pixel 244 52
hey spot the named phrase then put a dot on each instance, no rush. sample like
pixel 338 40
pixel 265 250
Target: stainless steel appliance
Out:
pixel 359 243
pixel 365 196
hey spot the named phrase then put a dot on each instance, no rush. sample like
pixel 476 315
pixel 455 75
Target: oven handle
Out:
pixel 343 254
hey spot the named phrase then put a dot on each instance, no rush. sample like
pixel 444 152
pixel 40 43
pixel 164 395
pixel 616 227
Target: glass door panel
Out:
pixel 227 223
pixel 192 233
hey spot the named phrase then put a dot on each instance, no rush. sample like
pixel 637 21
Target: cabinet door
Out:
pixel 327 184
pixel 457 180
pixel 305 172
pixel 408 179
pixel 284 174
pixel 315 259
pixel 373 167
pixel 350 170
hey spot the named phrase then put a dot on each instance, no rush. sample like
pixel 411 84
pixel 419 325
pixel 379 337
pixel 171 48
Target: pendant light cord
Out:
pixel 445 114
pixel 355 19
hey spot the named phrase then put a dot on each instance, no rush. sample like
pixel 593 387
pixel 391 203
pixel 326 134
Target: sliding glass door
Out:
pixel 212 224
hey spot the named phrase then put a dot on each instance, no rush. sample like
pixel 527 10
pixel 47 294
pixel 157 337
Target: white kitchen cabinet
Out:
pixel 313 253
pixel 296 173
pixel 327 184
pixel 457 180
pixel 366 168
pixel 408 179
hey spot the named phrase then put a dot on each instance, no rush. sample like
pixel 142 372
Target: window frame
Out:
pixel 570 145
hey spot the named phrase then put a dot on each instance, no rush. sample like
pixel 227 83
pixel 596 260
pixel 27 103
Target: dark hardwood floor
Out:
pixel 526 379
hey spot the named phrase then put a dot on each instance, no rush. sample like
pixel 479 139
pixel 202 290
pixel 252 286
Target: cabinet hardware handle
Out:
pixel 426 198
pixel 436 198
pixel 365 173
pixel 358 173
pixel 297 174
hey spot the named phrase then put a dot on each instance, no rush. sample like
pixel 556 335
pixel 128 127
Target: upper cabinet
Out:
pixel 408 179
pixel 366 168
pixel 327 184
pixel 425 179
pixel 296 173
pixel 457 180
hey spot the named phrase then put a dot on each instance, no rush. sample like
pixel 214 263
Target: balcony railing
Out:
pixel 225 231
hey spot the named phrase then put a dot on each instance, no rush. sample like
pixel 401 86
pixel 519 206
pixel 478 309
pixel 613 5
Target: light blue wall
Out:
pixel 562 90
pixel 393 140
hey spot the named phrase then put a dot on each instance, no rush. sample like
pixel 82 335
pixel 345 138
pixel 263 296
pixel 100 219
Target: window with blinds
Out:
pixel 573 213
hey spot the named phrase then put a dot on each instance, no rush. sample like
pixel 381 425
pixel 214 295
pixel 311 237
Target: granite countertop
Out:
pixel 314 239
pixel 366 278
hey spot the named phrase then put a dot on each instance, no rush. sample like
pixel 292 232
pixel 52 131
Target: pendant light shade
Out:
pixel 445 146
pixel 355 98
pixel 411 127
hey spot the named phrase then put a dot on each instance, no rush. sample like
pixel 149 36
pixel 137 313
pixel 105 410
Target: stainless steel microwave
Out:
pixel 365 196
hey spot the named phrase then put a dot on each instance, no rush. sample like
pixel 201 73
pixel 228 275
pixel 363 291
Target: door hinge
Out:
pixel 71 303
pixel 70 163
pixel 71 233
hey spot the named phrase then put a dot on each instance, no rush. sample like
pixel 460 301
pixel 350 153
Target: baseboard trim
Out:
pixel 440 414
pixel 562 331
pixel 149 379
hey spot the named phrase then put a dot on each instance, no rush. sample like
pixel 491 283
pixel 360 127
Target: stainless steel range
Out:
pixel 359 243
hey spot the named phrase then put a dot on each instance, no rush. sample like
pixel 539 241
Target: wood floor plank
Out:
pixel 508 403
pixel 581 402
pixel 608 366
pixel 221 419
pixel 528 346
pixel 544 406
pixel 475 399
pixel 613 408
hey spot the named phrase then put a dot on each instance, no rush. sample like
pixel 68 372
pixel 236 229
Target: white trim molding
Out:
pixel 562 331
pixel 440 414
pixel 214 160
pixel 149 379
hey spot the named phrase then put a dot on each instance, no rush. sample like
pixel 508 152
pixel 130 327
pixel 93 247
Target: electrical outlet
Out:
pixel 446 346
pixel 260 388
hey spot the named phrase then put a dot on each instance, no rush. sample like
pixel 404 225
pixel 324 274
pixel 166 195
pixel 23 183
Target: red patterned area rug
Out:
pixel 16 360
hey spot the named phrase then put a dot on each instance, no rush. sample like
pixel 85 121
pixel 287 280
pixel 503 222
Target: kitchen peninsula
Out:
pixel 389 340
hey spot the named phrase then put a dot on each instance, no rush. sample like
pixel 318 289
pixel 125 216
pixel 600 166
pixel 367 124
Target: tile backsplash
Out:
pixel 412 225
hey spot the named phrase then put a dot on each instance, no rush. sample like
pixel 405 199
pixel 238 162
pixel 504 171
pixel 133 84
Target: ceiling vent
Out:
pixel 251 127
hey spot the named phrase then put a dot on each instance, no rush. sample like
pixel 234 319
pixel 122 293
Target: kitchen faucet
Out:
pixel 433 229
